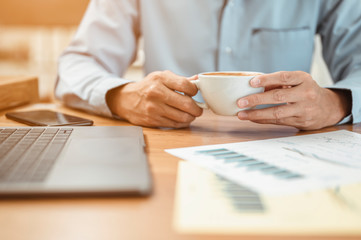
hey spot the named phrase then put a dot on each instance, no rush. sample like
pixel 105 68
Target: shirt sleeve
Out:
pixel 340 30
pixel 101 51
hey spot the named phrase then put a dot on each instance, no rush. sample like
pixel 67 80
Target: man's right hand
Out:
pixel 154 102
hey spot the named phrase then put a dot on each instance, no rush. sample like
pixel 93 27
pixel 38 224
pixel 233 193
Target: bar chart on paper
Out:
pixel 232 209
pixel 284 165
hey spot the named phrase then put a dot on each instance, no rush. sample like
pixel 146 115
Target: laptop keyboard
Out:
pixel 28 154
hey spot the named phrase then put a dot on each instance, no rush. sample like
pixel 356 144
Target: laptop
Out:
pixel 73 161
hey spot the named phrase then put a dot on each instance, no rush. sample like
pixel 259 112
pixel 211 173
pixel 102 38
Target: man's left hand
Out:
pixel 307 106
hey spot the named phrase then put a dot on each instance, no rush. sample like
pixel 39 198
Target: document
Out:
pixel 284 165
pixel 206 204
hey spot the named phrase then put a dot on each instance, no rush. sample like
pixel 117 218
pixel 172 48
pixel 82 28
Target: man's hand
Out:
pixel 154 101
pixel 307 105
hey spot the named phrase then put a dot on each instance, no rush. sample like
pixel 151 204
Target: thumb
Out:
pixel 194 77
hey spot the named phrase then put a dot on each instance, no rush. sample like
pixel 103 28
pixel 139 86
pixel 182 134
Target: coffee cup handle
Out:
pixel 201 105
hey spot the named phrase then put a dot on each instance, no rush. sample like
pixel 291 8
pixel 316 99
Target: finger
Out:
pixel 163 95
pixel 194 77
pixel 269 88
pixel 183 103
pixel 296 122
pixel 272 113
pixel 280 79
pixel 157 120
pixel 275 96
pixel 291 121
pixel 176 115
pixel 179 83
pixel 168 123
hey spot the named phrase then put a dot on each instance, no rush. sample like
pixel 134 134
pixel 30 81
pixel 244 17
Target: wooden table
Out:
pixel 134 218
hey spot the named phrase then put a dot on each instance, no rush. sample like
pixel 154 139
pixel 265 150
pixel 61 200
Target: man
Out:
pixel 187 37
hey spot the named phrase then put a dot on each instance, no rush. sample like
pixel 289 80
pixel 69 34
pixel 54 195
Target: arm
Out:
pixel 309 106
pixel 101 51
pixel 340 32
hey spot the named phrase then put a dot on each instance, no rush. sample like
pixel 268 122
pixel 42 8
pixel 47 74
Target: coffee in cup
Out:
pixel 221 90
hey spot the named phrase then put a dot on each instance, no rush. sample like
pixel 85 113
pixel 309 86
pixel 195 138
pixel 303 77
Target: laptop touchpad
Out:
pixel 103 150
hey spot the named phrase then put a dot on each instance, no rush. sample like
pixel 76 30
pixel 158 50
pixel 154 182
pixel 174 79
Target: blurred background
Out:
pixel 33 33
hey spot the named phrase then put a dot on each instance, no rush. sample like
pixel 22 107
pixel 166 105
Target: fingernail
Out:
pixel 255 82
pixel 242 115
pixel 243 103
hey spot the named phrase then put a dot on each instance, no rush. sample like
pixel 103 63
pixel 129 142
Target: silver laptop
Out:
pixel 70 161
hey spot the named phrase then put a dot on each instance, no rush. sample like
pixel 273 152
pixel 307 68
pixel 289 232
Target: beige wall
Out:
pixel 33 51
pixel 42 12
pixel 33 33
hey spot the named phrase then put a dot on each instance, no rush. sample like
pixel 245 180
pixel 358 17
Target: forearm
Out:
pixel 342 102
pixel 82 83
pixel 102 49
pixel 115 102
pixel 352 84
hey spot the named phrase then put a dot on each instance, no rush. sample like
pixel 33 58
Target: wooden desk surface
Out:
pixel 134 218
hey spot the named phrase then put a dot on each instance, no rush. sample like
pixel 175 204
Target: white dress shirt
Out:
pixel 193 36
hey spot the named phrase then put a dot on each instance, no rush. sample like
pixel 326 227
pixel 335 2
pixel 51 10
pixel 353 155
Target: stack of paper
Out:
pixel 202 207
pixel 284 165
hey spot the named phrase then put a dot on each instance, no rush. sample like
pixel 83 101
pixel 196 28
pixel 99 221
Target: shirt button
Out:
pixel 228 50
pixel 231 3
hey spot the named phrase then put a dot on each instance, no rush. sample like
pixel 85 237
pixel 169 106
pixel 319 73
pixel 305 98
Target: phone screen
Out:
pixel 48 118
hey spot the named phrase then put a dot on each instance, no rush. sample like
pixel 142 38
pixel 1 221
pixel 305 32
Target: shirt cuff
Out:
pixel 347 119
pixel 99 97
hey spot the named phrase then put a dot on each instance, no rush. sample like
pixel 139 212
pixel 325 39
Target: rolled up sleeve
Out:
pixel 102 49
pixel 340 30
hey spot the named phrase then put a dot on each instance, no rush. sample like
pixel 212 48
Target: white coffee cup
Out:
pixel 221 90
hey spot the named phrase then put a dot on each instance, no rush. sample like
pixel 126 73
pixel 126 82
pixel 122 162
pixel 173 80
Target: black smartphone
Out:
pixel 48 118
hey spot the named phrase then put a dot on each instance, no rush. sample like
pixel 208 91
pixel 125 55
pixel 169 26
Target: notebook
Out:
pixel 73 161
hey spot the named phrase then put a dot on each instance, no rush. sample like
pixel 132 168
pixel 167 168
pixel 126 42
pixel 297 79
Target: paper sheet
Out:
pixel 202 207
pixel 284 165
